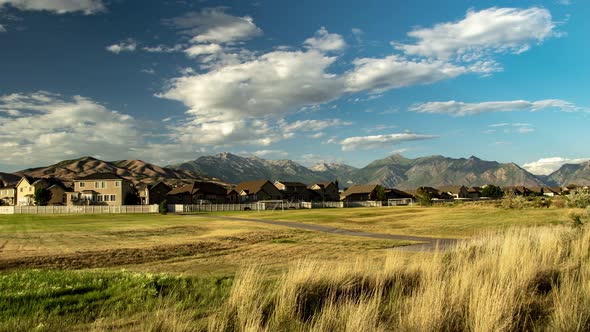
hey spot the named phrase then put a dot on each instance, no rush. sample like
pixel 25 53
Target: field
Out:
pixel 175 272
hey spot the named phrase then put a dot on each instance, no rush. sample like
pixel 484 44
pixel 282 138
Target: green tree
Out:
pixel 492 191
pixel 380 193
pixel 163 207
pixel 42 196
pixel 424 197
pixel 131 199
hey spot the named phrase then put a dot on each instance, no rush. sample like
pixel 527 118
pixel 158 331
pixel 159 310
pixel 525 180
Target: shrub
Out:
pixel 492 191
pixel 578 198
pixel 513 202
pixel 163 207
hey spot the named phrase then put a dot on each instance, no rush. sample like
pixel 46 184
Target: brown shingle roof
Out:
pixel 199 187
pixel 291 184
pixel 364 189
pixel 450 189
pixel 251 187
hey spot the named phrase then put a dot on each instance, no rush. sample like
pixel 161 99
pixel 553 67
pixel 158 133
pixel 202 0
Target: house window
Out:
pixel 82 184
pixel 21 190
pixel 117 183
pixel 100 185
pixel 112 198
pixel 99 198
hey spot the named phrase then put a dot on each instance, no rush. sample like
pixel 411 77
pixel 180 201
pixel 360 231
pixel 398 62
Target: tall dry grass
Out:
pixel 521 279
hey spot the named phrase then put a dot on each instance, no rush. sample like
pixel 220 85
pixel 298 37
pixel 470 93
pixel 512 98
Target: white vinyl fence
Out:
pixel 78 209
pixel 258 206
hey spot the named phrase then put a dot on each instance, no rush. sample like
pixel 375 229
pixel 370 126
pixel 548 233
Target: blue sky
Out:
pixel 333 81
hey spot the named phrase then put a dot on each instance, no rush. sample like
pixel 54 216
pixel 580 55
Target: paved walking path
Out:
pixel 428 243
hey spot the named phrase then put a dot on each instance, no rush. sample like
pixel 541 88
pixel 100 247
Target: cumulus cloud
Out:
pixel 197 50
pixel 480 33
pixel 325 41
pixel 43 127
pixel 214 25
pixel 546 166
pixel 128 45
pixel 394 71
pixel 273 85
pixel 269 153
pixel 380 141
pixel 312 125
pixel 88 7
pixel 163 48
pixel 457 108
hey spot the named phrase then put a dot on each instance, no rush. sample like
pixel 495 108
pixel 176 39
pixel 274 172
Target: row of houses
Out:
pixel 111 189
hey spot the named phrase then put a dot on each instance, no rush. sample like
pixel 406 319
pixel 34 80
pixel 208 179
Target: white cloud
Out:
pixel 162 48
pixel 197 50
pixel 273 85
pixel 312 125
pixel 520 128
pixel 225 133
pixel 380 141
pixel 481 33
pixel 128 45
pixel 394 71
pixel 43 127
pixel 2 28
pixel 270 153
pixel 213 25
pixel 317 135
pixel 57 6
pixel 325 41
pixel 457 108
pixel 546 166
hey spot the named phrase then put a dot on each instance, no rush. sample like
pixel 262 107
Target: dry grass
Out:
pixel 521 279
pixel 458 221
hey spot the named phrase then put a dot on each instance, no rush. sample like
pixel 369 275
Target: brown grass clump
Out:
pixel 521 279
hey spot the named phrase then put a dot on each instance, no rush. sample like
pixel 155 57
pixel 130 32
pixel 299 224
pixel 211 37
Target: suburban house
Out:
pixel 293 191
pixel 455 191
pixel 474 192
pixel 397 194
pixel 517 191
pixel 551 191
pixel 198 192
pixel 58 193
pixel 154 193
pixel 7 195
pixel 362 193
pixel 327 190
pixel 232 196
pixel 252 191
pixel 430 191
pixel 100 189
pixel 25 189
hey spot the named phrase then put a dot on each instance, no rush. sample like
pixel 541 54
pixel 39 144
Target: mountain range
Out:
pixel 137 171
pixel 393 171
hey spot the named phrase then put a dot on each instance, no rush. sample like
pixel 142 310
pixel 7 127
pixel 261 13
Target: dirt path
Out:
pixel 428 243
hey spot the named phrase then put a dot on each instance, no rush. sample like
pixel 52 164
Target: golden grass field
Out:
pixel 182 268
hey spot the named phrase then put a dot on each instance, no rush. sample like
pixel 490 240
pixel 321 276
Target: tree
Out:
pixel 424 197
pixel 380 193
pixel 492 191
pixel 42 196
pixel 131 199
pixel 163 207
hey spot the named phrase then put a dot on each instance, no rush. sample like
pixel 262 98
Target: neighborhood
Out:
pixel 111 189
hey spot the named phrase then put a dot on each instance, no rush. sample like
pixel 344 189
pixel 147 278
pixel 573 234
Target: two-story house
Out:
pixel 328 191
pixel 252 191
pixel 7 195
pixel 101 189
pixel 26 187
pixel 293 191
pixel 154 193
pixel 198 192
